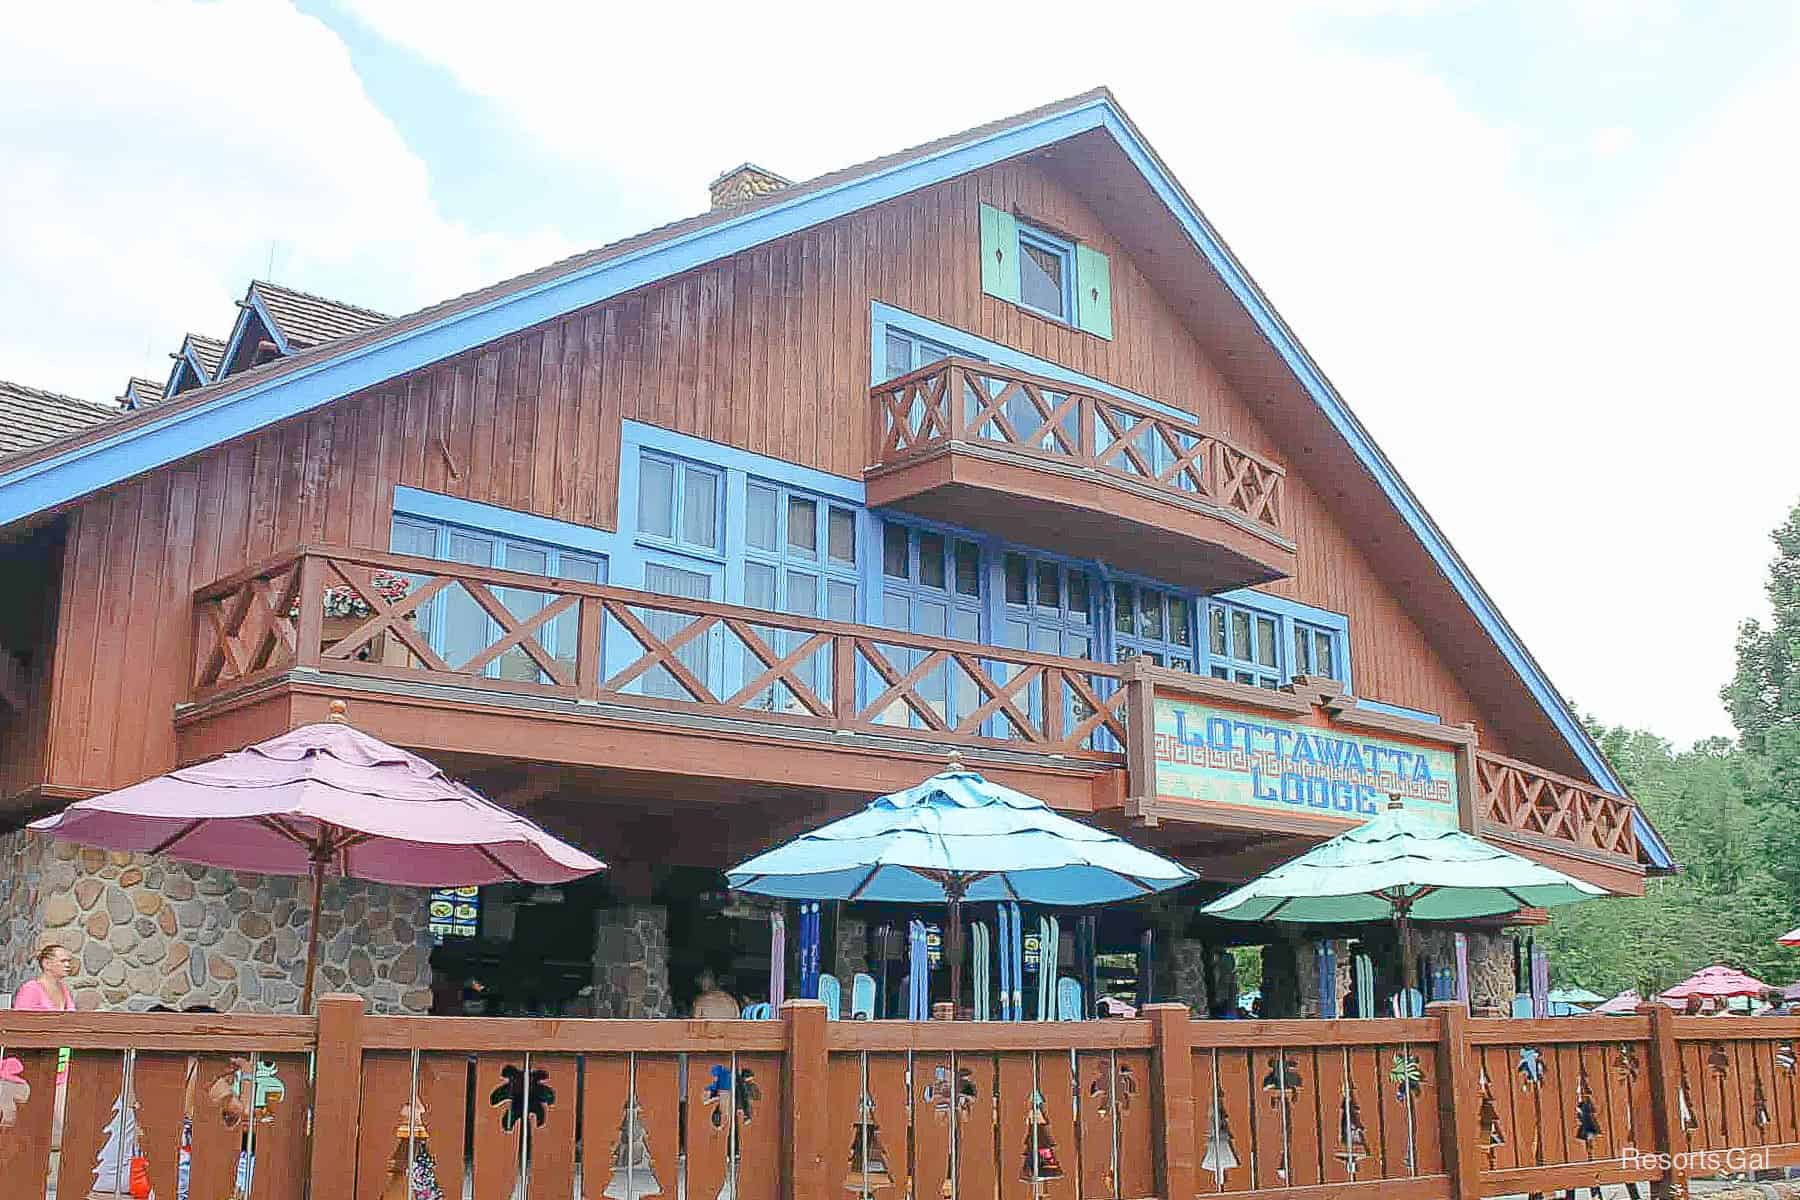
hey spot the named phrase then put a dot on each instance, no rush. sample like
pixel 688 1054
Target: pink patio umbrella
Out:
pixel 1716 982
pixel 1790 938
pixel 324 799
pixel 1625 1002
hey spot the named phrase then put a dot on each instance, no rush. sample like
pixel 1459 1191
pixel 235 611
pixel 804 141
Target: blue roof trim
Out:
pixel 47 483
pixel 1300 363
pixel 44 484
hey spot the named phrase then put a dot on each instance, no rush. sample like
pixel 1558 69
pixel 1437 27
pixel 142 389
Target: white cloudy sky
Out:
pixel 1547 251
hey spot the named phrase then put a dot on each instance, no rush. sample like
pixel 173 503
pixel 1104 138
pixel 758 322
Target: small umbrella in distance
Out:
pixel 324 799
pixel 957 837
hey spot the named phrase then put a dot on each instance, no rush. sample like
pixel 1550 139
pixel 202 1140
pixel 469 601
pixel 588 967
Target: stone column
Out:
pixel 631 961
pixel 1224 980
pixel 850 951
pixel 1185 978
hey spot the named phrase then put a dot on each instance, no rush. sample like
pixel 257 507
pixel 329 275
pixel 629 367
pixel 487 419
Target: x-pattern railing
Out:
pixel 966 400
pixel 592 641
pixel 1518 796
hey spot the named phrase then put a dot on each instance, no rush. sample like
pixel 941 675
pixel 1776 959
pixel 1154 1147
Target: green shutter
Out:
pixel 999 253
pixel 1093 291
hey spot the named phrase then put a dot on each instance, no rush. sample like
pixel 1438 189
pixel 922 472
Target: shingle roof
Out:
pixel 208 350
pixel 140 392
pixel 308 320
pixel 31 416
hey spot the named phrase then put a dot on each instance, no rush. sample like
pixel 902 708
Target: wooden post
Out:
pixel 806 1165
pixel 309 630
pixel 1459 1120
pixel 1665 1094
pixel 1172 1099
pixel 337 1096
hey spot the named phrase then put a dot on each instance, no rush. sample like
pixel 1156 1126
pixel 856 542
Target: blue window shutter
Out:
pixel 999 253
pixel 1093 291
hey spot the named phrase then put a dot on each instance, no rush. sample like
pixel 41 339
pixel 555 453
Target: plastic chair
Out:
pixel 862 997
pixel 1068 1000
pixel 761 1011
pixel 832 993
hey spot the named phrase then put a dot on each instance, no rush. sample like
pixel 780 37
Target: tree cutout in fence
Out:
pixel 112 1167
pixel 1282 1082
pixel 633 1171
pixel 518 1098
pixel 1221 1151
pixel 1531 1066
pixel 1353 1136
pixel 14 1091
pixel 1688 1120
pixel 1784 1057
pixel 1627 1066
pixel 412 1171
pixel 868 1157
pixel 1759 1102
pixel 1039 1164
pixel 1587 1119
pixel 1493 1133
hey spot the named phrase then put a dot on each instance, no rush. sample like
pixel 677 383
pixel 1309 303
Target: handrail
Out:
pixel 964 400
pixel 623 645
pixel 1516 797
pixel 1442 1107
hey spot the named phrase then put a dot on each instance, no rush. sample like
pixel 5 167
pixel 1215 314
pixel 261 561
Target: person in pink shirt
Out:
pixel 50 992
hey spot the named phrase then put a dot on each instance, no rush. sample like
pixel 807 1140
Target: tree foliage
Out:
pixel 1730 812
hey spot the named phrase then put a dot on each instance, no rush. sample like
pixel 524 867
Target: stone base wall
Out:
pixel 631 961
pixel 154 931
pixel 850 951
pixel 22 863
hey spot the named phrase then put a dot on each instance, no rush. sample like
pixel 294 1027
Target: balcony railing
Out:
pixel 1432 1108
pixel 965 400
pixel 1516 797
pixel 423 620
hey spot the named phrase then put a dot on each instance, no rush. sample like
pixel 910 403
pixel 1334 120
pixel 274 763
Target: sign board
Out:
pixel 1220 756
pixel 455 912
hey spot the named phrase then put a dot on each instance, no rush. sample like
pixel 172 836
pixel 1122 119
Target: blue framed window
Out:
pixel 1154 623
pixel 800 556
pixel 1316 651
pixel 1243 644
pixel 678 504
pixel 458 628
pixel 1046 273
pixel 932 582
pixel 903 352
pixel 1047 605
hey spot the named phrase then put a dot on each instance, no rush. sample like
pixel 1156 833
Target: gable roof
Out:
pixel 32 416
pixel 309 378
pixel 139 392
pixel 196 364
pixel 290 319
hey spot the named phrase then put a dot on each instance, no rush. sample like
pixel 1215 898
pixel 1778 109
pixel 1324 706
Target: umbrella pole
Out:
pixel 312 932
pixel 1409 967
pixel 953 893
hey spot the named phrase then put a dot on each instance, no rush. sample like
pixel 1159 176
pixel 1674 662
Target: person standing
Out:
pixel 50 992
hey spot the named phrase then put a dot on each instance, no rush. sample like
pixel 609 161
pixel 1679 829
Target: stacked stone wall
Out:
pixel 154 931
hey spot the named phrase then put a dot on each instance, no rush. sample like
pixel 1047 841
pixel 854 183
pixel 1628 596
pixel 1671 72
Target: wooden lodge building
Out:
pixel 693 541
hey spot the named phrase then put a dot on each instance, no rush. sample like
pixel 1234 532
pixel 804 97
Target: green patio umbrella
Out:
pixel 1398 867
pixel 1574 995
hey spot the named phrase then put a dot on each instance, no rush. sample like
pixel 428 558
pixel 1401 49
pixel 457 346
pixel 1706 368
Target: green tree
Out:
pixel 1764 694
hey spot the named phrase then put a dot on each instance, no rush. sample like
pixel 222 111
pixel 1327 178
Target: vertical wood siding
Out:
pixel 768 351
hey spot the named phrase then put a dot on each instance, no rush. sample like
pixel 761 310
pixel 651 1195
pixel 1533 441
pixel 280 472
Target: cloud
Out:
pixel 1583 395
pixel 153 157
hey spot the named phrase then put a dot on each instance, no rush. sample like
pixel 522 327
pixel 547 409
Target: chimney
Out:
pixel 742 184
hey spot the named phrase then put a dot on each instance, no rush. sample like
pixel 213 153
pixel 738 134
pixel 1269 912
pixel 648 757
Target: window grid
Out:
pixel 679 504
pixel 1153 623
pixel 1244 644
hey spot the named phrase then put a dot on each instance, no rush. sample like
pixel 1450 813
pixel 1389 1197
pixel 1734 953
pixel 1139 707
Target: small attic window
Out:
pixel 1046 272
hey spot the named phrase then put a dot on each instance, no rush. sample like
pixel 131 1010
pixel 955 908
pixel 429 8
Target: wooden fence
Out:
pixel 1438 1108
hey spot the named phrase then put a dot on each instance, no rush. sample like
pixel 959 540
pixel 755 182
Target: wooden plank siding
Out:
pixel 768 351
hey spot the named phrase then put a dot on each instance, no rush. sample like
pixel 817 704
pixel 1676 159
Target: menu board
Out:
pixel 456 912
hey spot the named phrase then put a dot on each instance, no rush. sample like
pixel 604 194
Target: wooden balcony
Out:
pixel 685 686
pixel 1045 464
pixel 1439 1107
pixel 538 670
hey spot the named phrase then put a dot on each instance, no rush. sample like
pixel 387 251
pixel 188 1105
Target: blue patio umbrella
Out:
pixel 957 837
